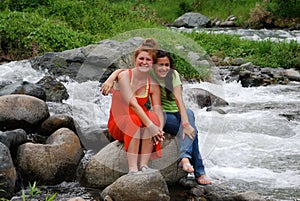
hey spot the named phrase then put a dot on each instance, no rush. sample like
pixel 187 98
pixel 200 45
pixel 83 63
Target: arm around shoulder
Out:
pixel 109 83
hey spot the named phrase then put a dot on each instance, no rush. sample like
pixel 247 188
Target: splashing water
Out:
pixel 255 146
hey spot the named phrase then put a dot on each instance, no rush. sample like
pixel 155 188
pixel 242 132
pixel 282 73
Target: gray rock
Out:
pixel 22 111
pixel 53 162
pixel 292 75
pixel 55 122
pixel 204 98
pixel 191 19
pixel 24 87
pixel 8 174
pixel 142 186
pixel 110 163
pixel 13 138
pixel 54 90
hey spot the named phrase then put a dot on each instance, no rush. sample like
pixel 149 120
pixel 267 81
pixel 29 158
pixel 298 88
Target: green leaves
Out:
pixel 265 53
pixel 35 193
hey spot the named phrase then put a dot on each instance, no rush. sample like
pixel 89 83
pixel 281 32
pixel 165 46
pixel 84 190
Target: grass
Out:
pixel 261 53
pixel 31 27
pixel 169 10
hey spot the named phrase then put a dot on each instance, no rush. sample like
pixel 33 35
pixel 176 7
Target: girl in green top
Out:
pixel 178 119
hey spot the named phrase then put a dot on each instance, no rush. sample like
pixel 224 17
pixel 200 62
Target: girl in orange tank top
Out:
pixel 129 120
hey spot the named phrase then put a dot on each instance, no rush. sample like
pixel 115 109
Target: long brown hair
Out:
pixel 169 78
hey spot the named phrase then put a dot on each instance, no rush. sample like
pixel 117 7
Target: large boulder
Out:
pixel 22 111
pixel 110 163
pixel 191 20
pixel 142 186
pixel 89 62
pixel 53 162
pixel 204 98
pixel 13 138
pixel 54 90
pixel 24 87
pixel 55 122
pixel 8 174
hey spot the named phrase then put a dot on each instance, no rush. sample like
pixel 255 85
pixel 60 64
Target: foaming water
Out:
pixel 19 71
pixel 254 146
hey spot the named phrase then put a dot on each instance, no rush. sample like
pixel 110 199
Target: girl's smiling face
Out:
pixel 144 61
pixel 162 67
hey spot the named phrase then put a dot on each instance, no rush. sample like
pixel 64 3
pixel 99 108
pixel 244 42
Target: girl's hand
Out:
pixel 189 131
pixel 106 87
pixel 155 133
pixel 158 138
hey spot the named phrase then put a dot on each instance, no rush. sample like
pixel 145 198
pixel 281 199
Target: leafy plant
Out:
pixel 261 53
pixel 34 191
pixel 1 190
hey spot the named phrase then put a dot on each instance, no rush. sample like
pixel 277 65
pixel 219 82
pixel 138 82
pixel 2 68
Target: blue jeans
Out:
pixel 188 148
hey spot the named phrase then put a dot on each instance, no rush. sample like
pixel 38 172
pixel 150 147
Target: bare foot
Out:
pixel 185 165
pixel 203 181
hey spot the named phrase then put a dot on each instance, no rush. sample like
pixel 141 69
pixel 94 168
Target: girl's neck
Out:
pixel 138 75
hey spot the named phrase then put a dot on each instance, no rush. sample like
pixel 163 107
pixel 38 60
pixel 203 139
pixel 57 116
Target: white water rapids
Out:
pixel 255 146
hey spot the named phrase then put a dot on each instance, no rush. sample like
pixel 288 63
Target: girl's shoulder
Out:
pixel 123 73
pixel 153 81
pixel 176 73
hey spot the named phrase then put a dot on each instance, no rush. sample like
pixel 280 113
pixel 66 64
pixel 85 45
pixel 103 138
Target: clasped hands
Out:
pixel 156 134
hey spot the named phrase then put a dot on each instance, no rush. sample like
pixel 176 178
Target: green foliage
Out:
pixel 20 5
pixel 223 9
pixel 261 53
pixel 33 27
pixel 66 24
pixel 34 192
pixel 184 7
pixel 288 8
pixel 25 33
pixel 98 17
pixel 1 190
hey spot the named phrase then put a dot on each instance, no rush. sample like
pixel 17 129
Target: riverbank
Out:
pixel 90 110
pixel 32 29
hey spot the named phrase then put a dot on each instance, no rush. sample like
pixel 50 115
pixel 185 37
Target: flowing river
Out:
pixel 254 146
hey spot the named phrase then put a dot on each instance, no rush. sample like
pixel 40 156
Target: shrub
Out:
pixel 26 35
pixel 260 17
pixel 284 9
pixel 20 5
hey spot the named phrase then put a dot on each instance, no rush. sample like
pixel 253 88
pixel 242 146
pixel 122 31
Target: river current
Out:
pixel 254 146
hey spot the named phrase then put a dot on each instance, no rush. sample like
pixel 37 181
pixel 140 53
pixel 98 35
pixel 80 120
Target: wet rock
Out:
pixel 8 174
pixel 22 111
pixel 53 162
pixel 13 138
pixel 204 98
pixel 55 122
pixel 55 90
pixel 253 76
pixel 292 75
pixel 94 138
pixel 142 186
pixel 191 19
pixel 24 87
pixel 110 163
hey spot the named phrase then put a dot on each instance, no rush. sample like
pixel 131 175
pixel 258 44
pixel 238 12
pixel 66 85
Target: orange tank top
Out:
pixel 120 107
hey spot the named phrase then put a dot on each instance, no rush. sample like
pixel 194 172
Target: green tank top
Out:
pixel 167 105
